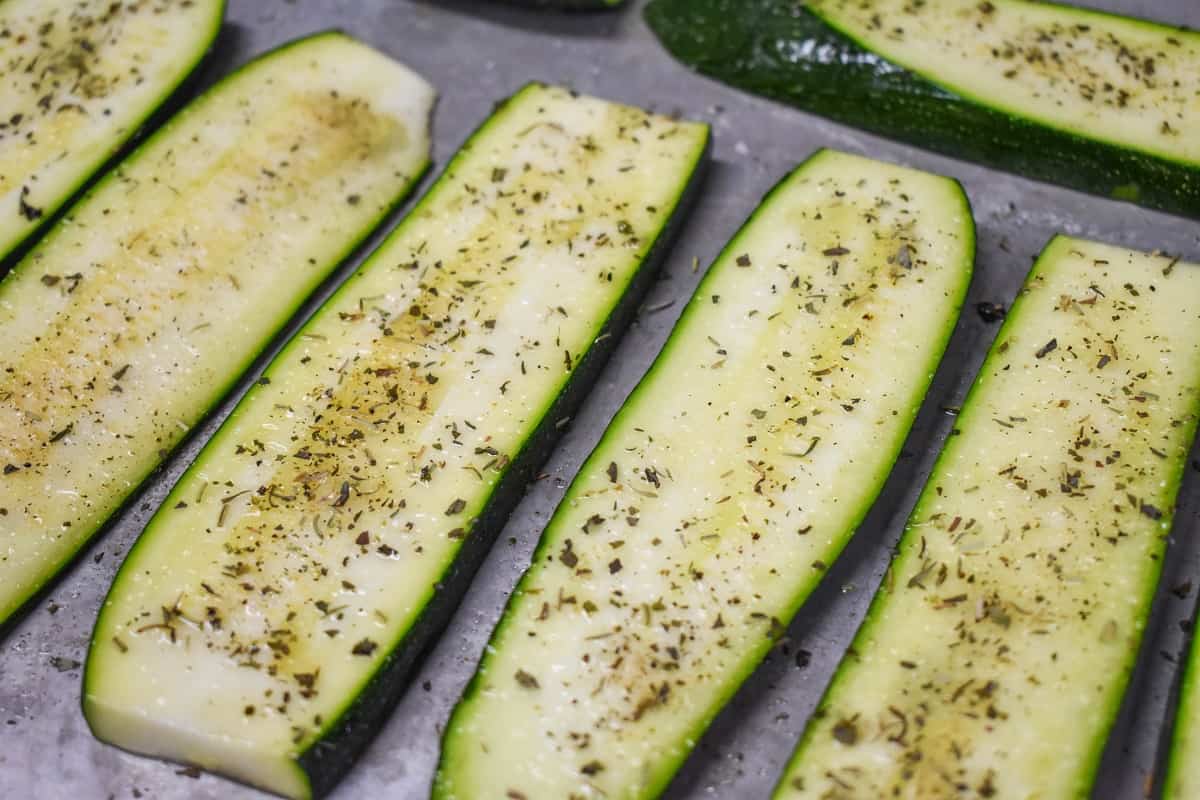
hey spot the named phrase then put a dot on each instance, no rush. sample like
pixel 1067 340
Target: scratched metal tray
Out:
pixel 477 52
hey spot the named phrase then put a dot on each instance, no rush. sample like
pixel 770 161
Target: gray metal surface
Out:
pixel 476 53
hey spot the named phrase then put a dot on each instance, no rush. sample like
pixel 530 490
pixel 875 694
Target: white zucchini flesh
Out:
pixel 731 478
pixel 77 80
pixel 263 605
pixel 136 313
pixel 1103 77
pixel 994 658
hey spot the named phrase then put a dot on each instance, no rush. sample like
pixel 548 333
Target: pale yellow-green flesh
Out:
pixel 310 532
pixel 997 652
pixel 767 427
pixel 76 79
pixel 1121 81
pixel 134 315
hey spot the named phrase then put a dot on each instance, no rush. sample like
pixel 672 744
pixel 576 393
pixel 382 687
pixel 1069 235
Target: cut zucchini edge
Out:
pixel 457 746
pixel 905 561
pixel 12 612
pixel 13 247
pixel 798 58
pixel 317 767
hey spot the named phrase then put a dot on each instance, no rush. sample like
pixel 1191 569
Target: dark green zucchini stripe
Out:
pixel 1181 768
pixel 773 48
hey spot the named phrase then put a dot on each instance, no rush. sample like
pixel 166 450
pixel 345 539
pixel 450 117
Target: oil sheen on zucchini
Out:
pixel 77 80
pixel 994 657
pixel 135 314
pixel 729 481
pixel 266 620
pixel 1095 101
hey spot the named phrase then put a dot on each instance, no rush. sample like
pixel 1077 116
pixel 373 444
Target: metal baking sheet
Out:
pixel 477 52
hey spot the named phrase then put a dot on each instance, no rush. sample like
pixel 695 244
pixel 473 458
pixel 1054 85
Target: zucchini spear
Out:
pixel 733 476
pixel 268 617
pixel 1098 102
pixel 135 314
pixel 78 79
pixel 994 657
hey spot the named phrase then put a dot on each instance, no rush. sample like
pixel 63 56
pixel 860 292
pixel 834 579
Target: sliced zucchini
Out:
pixel 137 312
pixel 1094 101
pixel 993 659
pixel 78 78
pixel 266 620
pixel 731 478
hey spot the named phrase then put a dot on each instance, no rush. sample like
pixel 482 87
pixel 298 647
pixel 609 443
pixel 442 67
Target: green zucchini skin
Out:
pixel 771 48
pixel 1144 521
pixel 328 759
pixel 1175 748
pixel 12 612
pixel 14 247
pixel 956 255
pixel 1179 748
pixel 317 764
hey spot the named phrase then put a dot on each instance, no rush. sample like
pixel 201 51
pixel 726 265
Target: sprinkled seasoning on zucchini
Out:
pixel 1091 100
pixel 267 619
pixel 78 78
pixel 136 313
pixel 729 481
pixel 994 657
